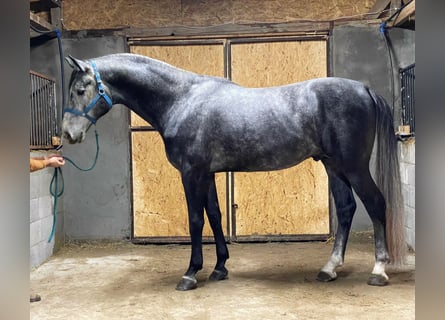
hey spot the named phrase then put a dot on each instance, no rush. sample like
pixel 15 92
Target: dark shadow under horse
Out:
pixel 210 124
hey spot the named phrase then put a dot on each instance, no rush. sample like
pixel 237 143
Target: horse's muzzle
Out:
pixel 72 137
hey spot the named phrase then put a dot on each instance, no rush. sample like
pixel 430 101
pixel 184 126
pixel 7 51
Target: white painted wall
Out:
pixel 408 177
pixel 41 216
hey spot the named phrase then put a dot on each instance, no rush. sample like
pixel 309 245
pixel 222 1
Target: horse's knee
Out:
pixel 196 224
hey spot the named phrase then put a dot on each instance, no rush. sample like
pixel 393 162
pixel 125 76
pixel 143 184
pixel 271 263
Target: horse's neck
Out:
pixel 148 87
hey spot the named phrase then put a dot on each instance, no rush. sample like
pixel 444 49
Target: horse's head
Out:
pixel 89 99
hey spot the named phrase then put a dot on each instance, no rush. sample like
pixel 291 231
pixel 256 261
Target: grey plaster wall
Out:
pixel 97 202
pixel 359 52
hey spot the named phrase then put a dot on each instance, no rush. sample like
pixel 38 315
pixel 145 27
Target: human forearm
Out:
pixel 36 164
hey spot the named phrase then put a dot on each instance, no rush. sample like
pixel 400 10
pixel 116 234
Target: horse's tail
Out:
pixel 388 179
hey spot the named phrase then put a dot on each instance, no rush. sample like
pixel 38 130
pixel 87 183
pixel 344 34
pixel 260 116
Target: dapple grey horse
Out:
pixel 210 124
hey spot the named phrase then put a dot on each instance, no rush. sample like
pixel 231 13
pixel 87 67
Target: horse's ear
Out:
pixel 76 63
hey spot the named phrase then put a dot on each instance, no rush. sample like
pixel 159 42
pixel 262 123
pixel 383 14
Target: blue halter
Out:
pixel 100 94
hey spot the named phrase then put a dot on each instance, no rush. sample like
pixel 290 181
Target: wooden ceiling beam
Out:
pixel 39 23
pixel 377 8
pixel 408 12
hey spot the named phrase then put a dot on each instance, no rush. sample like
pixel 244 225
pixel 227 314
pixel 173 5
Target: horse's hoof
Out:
pixel 218 275
pixel 326 277
pixel 187 283
pixel 377 280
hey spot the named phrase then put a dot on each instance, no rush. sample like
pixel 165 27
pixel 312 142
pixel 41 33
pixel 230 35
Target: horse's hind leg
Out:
pixel 345 206
pixel 214 215
pixel 374 202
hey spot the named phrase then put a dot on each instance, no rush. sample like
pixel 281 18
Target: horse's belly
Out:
pixel 257 159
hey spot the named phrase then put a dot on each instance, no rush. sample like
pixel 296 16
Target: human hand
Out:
pixel 55 161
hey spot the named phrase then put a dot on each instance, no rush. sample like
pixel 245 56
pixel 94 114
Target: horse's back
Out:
pixel 253 129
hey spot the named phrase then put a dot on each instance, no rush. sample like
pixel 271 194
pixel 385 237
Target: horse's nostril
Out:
pixel 67 135
pixel 73 137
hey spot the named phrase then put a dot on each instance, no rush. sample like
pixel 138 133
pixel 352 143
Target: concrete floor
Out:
pixel 266 281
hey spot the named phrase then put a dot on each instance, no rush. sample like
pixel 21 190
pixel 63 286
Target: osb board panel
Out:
pixel 295 200
pixel 286 202
pixel 278 63
pixel 158 198
pixel 87 14
pixel 159 205
pixel 288 10
pixel 203 59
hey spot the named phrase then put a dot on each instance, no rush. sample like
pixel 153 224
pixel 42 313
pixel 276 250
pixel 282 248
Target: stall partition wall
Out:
pixel 288 204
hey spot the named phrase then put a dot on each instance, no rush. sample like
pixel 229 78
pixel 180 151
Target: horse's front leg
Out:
pixel 195 186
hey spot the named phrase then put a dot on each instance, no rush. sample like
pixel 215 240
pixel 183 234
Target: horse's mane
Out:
pixel 137 58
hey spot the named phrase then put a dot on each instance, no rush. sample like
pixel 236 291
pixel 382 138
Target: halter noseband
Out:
pixel 100 94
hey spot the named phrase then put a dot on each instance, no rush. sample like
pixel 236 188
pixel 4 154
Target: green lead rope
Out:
pixel 54 185
pixel 54 190
pixel 95 159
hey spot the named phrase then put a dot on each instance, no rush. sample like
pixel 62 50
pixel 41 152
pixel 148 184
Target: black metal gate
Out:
pixel 407 77
pixel 43 111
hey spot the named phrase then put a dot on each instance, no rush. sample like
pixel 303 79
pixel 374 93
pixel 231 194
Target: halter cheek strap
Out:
pixel 100 94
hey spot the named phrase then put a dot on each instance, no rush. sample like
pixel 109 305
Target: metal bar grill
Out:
pixel 407 77
pixel 43 111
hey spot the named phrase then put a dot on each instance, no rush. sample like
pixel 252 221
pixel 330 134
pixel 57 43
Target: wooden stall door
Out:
pixel 294 201
pixel 159 206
